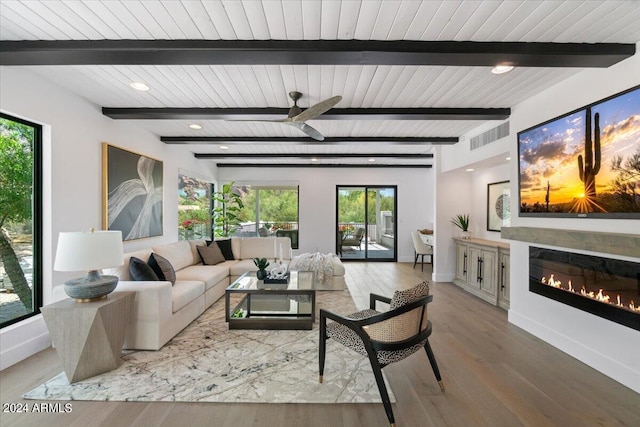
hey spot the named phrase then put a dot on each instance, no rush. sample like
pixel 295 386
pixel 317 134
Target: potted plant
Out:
pixel 262 265
pixel 462 222
pixel 226 213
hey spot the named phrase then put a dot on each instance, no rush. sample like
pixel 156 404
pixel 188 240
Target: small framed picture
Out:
pixel 498 205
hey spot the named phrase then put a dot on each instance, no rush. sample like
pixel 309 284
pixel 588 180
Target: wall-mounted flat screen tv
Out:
pixel 585 163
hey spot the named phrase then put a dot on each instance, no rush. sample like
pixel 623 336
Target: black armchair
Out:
pixel 384 337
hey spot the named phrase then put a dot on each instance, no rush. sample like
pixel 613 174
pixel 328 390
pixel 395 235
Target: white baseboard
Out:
pixel 602 363
pixel 22 340
pixel 443 277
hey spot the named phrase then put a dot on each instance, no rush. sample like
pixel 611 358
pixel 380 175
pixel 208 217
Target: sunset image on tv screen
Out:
pixel 585 162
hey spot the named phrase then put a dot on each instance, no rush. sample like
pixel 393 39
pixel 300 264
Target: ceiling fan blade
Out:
pixel 317 109
pixel 308 130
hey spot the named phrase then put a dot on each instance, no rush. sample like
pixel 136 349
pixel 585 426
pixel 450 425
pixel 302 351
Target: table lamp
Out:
pixel 89 251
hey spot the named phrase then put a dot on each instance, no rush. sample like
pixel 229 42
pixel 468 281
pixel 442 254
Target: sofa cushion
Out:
pixel 184 292
pixel 194 249
pixel 338 266
pixel 179 254
pixel 162 268
pixel 235 248
pixel 209 274
pixel 141 271
pixel 211 255
pixel 258 247
pixel 225 247
pixel 241 267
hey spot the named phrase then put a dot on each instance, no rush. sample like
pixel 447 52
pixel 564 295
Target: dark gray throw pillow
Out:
pixel 225 247
pixel 141 271
pixel 211 255
pixel 163 268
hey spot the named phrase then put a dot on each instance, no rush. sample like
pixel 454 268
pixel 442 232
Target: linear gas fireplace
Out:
pixel 605 287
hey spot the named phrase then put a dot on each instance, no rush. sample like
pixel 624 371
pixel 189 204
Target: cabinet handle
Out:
pixel 502 276
pixel 464 266
pixel 479 270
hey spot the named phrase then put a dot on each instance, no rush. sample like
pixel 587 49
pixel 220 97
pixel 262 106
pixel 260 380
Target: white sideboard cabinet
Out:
pixel 482 269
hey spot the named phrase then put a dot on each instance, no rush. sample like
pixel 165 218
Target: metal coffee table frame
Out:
pixel 301 283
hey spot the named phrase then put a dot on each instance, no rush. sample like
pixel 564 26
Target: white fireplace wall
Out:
pixel 600 343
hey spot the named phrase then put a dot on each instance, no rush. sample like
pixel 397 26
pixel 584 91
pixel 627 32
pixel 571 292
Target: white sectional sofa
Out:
pixel 161 310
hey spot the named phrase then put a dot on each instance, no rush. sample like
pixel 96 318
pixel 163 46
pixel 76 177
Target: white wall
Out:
pixel 74 132
pixel 459 192
pixel 318 199
pixel 602 344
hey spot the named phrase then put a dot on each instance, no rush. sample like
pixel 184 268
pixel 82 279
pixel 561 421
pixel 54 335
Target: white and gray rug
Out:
pixel 207 362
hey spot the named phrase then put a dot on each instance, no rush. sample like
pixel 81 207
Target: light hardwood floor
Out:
pixel 495 375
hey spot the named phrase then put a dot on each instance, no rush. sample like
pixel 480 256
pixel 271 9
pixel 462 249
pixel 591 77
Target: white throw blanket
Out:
pixel 321 264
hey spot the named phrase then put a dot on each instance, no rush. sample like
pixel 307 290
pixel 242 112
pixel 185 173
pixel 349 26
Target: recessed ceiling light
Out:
pixel 470 170
pixel 314 159
pixel 223 147
pixel 142 86
pixel 195 126
pixel 501 69
pixel 508 158
pixel 372 160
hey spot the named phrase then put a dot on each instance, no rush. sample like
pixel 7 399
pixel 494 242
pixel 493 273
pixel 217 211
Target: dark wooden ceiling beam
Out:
pixel 351 140
pixel 312 155
pixel 312 165
pixel 338 52
pixel 333 114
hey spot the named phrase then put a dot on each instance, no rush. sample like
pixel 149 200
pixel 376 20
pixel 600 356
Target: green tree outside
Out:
pixel 16 189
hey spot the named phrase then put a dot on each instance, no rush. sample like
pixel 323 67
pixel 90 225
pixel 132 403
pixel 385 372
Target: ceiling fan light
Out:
pixel 501 69
pixel 139 85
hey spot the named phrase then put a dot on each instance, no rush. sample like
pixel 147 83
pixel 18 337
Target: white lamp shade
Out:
pixel 88 250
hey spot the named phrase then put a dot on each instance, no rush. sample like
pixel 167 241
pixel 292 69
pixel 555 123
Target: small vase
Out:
pixel 261 274
pixel 466 235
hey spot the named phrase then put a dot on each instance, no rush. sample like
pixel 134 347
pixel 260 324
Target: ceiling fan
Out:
pixel 298 118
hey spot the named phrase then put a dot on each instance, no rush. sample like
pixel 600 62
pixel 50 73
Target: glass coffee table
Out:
pixel 290 305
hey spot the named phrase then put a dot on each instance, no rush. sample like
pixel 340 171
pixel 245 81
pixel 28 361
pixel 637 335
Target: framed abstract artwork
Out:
pixel 498 205
pixel 132 193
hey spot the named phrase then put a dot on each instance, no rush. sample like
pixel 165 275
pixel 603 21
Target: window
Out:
pixel 269 211
pixel 194 208
pixel 20 219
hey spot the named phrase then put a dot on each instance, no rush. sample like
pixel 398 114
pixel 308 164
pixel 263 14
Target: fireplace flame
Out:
pixel 599 296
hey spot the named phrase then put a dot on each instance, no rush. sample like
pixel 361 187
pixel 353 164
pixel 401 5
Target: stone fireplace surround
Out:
pixel 604 345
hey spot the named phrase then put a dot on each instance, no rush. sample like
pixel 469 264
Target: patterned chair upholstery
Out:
pixel 384 337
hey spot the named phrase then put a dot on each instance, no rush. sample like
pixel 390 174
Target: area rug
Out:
pixel 207 362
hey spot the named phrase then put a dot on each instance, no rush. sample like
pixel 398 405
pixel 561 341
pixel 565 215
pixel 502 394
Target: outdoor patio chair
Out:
pixel 384 337
pixel 353 240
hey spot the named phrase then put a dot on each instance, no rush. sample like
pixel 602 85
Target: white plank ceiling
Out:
pixel 361 86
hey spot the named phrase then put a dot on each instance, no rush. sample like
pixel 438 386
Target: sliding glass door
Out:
pixel 365 223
